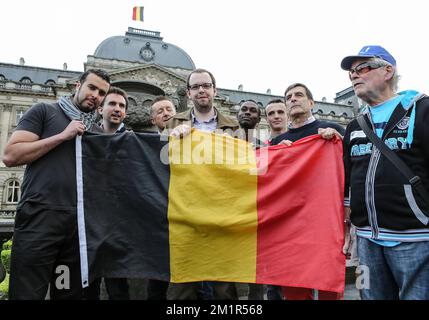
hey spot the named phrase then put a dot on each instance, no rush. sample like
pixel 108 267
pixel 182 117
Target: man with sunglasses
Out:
pixel 390 216
pixel 204 116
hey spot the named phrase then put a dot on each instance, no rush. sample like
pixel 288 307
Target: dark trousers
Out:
pixel 157 289
pixel 193 290
pixel 45 250
pixel 117 289
pixel 256 291
pixel 274 292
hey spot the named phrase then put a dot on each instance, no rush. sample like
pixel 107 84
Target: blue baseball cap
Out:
pixel 368 52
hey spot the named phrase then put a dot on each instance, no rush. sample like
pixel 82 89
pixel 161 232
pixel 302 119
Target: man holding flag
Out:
pixel 45 245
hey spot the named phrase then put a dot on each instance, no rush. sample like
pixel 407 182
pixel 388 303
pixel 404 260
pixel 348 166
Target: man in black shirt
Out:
pixel 45 247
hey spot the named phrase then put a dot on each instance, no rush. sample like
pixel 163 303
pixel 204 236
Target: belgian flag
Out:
pixel 138 13
pixel 207 207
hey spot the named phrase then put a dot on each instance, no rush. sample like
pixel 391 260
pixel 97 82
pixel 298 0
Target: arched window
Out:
pixel 132 102
pixel 25 80
pixel 50 82
pixel 13 191
pixel 25 83
pixel 147 103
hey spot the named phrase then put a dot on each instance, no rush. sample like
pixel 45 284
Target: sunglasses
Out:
pixel 365 68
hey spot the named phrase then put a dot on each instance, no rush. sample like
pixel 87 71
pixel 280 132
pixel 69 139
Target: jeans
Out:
pixel 392 273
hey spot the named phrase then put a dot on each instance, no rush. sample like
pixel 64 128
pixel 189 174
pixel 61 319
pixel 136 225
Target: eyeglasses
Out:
pixel 205 86
pixel 365 68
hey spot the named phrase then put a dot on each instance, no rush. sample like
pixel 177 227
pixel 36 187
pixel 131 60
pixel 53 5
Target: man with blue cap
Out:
pixel 390 212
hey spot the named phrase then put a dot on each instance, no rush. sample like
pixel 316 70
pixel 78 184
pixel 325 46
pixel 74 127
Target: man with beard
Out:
pixel 45 246
pixel 204 116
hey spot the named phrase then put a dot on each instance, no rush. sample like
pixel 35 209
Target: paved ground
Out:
pixel 351 293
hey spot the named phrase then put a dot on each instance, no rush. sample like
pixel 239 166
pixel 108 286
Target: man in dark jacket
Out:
pixel 299 104
pixel 390 216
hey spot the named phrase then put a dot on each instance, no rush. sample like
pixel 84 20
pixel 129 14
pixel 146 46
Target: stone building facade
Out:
pixel 139 62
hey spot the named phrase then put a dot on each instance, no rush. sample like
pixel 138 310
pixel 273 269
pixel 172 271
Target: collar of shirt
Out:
pixel 209 125
pixel 120 127
pixel 308 121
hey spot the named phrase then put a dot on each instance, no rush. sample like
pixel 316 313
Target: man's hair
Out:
pixel 393 82
pixel 307 91
pixel 158 99
pixel 116 90
pixel 253 101
pixel 277 100
pixel 201 71
pixel 98 72
pixel 272 101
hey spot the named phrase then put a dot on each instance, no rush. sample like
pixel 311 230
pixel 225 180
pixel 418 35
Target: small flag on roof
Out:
pixel 138 13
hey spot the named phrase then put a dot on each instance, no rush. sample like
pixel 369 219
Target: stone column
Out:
pixel 6 114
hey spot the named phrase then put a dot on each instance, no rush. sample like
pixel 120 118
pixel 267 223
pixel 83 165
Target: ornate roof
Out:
pixel 40 75
pixel 146 47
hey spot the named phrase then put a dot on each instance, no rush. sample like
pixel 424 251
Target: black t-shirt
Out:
pixel 50 181
pixel 307 130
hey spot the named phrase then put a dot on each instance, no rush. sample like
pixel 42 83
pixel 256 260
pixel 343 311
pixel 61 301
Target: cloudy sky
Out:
pixel 259 44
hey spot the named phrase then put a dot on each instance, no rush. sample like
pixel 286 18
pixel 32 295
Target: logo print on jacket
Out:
pixel 404 124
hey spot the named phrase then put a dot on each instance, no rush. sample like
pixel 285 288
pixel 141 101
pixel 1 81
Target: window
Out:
pixel 132 102
pixel 147 103
pixel 13 192
pixel 25 80
pixel 19 114
pixel 2 77
pixel 50 82
pixel 25 83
